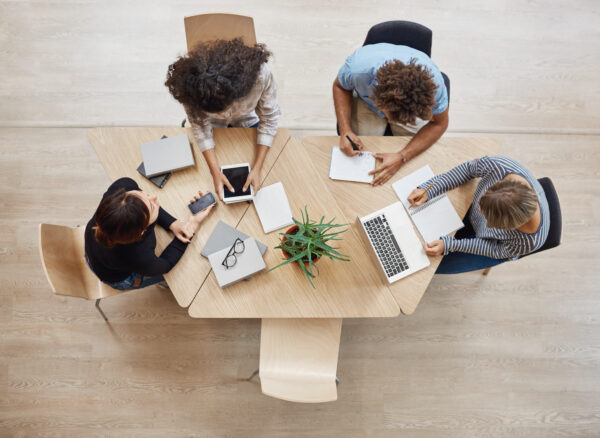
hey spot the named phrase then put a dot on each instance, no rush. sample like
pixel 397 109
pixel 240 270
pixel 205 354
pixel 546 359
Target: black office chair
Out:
pixel 555 231
pixel 403 33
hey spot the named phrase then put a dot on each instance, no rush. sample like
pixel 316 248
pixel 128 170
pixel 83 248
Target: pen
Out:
pixel 422 194
pixel 354 146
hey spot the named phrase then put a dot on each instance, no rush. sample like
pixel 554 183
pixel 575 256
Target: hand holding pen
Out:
pixel 350 144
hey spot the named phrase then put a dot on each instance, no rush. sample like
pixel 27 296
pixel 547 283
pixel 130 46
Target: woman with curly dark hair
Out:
pixel 226 83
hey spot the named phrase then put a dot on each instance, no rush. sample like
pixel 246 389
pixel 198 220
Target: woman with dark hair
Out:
pixel 222 84
pixel 120 239
pixel 509 216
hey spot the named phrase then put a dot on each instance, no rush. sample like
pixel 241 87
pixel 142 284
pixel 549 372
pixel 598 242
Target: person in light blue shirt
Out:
pixel 387 83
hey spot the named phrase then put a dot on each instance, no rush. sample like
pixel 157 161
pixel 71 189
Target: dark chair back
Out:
pixel 401 33
pixel 555 232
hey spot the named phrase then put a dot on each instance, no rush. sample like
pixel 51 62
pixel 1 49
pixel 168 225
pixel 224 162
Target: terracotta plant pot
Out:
pixel 293 230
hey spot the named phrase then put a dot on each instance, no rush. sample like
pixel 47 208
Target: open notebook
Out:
pixel 354 168
pixel 437 217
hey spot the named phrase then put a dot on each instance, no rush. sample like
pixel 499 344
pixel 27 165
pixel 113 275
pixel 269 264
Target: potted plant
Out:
pixel 306 242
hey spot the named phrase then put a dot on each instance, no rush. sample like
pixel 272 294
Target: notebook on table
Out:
pixel 222 236
pixel 167 154
pixel 247 263
pixel 437 217
pixel 273 208
pixel 354 168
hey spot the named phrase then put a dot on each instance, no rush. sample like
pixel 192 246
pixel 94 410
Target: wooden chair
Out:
pixel 208 27
pixel 298 358
pixel 61 251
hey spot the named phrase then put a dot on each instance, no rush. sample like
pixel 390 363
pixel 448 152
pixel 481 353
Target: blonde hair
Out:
pixel 508 204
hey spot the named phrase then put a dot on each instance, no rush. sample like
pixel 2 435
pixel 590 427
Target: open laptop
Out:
pixel 390 234
pixel 167 154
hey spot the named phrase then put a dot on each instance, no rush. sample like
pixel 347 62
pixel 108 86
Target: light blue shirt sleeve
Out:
pixel 441 98
pixel 345 74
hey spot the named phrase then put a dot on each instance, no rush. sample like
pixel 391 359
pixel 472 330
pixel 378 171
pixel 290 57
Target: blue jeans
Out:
pixel 134 281
pixel 459 262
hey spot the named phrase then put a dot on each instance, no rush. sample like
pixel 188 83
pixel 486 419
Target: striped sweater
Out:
pixel 491 242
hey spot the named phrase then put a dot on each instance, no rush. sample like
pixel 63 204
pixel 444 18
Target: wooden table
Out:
pixel 359 199
pixel 120 154
pixel 343 289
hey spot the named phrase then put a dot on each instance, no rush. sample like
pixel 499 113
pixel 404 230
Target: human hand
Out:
pixel 181 230
pixel 346 146
pixel 389 166
pixel 254 179
pixel 219 180
pixel 414 195
pixel 434 248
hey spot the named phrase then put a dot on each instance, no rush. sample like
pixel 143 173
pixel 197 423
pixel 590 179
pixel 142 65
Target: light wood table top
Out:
pixel 359 199
pixel 120 154
pixel 342 289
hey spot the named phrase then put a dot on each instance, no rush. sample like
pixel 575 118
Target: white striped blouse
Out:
pixel 491 242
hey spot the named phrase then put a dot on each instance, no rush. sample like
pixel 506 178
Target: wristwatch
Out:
pixel 403 157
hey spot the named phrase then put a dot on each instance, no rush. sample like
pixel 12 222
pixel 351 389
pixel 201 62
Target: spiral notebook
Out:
pixel 437 217
pixel 354 168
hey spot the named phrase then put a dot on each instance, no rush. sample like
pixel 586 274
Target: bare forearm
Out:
pixel 342 101
pixel 261 153
pixel 427 136
pixel 211 161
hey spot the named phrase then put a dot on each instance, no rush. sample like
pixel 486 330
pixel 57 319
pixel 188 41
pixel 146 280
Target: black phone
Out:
pixel 203 203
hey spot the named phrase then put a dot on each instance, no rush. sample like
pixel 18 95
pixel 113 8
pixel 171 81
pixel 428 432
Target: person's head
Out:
pixel 122 217
pixel 508 204
pixel 404 91
pixel 215 74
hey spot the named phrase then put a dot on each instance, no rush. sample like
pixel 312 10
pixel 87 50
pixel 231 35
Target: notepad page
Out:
pixel 273 208
pixel 437 217
pixel 354 168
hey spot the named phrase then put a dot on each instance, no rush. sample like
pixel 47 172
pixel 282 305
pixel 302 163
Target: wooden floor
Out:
pixel 515 354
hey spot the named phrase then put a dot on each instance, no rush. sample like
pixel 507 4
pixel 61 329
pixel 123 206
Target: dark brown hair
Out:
pixel 215 74
pixel 508 204
pixel 120 219
pixel 405 91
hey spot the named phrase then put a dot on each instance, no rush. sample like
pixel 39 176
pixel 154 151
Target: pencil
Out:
pixel 422 194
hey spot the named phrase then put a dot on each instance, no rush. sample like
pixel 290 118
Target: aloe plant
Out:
pixel 310 243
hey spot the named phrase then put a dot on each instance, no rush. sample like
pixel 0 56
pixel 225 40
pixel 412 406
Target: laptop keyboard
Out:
pixel 385 245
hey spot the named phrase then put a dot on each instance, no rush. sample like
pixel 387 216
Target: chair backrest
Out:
pixel 555 231
pixel 401 33
pixel 208 27
pixel 298 358
pixel 61 251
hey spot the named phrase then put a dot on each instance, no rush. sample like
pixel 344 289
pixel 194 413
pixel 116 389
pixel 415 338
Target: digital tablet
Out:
pixel 237 174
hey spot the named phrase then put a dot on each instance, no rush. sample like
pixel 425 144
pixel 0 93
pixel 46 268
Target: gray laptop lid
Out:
pixel 223 236
pixel 167 154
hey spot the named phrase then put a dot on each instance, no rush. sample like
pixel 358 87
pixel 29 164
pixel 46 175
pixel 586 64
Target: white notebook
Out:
pixel 249 262
pixel 354 168
pixel 273 208
pixel 437 217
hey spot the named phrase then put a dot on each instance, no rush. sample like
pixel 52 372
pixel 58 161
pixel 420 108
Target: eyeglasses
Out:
pixel 238 247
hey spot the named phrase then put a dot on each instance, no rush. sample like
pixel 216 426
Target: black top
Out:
pixel 119 262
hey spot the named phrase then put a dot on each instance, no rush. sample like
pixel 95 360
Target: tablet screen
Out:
pixel 237 177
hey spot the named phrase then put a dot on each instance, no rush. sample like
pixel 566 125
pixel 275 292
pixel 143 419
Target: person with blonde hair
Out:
pixel 509 216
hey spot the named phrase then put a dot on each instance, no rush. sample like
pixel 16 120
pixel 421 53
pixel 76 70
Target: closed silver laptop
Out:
pixel 167 154
pixel 395 244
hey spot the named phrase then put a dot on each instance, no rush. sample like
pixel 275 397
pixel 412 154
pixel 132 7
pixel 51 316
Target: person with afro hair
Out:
pixel 381 84
pixel 222 84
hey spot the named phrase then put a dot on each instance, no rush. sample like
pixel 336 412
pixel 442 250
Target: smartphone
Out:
pixel 203 203
pixel 237 174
